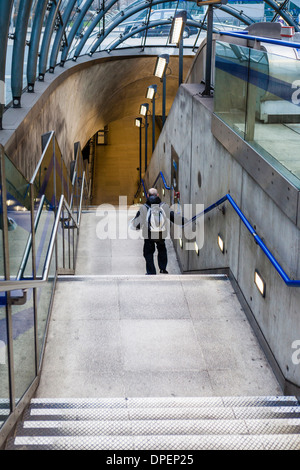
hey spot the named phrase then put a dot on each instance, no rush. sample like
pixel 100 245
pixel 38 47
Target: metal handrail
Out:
pixel 278 42
pixel 289 282
pixel 29 241
pixel 84 183
pixel 33 283
pixel 36 222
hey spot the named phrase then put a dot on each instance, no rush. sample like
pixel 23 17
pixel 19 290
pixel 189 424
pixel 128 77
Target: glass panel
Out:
pixel 62 244
pixel 257 95
pixel 231 76
pixel 4 377
pixel 23 345
pixel 19 217
pixel 85 24
pixel 273 109
pixel 44 180
pixel 44 297
pixel 44 185
pixel 58 172
pixel 62 175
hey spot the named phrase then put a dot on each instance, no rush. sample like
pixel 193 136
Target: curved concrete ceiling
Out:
pixel 83 99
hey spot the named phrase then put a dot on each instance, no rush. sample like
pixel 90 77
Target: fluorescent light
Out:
pixel 177 28
pixel 144 109
pixel 161 65
pixel 197 249
pixel 163 191
pixel 138 122
pixel 180 242
pixel 151 90
pixel 260 284
pixel 221 243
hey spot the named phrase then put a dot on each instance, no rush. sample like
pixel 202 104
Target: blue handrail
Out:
pixel 278 42
pixel 289 282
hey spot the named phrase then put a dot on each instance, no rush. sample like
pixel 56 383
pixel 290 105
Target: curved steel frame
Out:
pixel 47 38
pixel 285 15
pixel 5 14
pixel 120 20
pixel 152 25
pixel 92 26
pixel 131 11
pixel 74 30
pixel 60 33
pixel 34 43
pixel 46 47
pixel 19 51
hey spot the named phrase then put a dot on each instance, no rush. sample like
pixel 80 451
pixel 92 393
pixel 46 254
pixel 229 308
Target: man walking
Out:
pixel 154 219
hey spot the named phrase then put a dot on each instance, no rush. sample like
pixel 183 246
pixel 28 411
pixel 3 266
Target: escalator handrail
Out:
pixel 289 282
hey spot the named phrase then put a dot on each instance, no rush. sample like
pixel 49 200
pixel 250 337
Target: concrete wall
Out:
pixel 207 171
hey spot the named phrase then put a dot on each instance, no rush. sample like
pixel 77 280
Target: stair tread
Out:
pixel 160 423
pixel 179 442
pixel 160 427
pixel 161 413
pixel 164 402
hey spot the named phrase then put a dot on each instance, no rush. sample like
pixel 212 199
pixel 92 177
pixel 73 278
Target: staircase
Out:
pixel 181 343
pixel 215 423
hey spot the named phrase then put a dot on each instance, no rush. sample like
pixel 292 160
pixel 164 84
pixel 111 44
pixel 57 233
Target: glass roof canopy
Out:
pixel 38 35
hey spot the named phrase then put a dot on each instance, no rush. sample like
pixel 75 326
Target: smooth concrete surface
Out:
pixel 207 172
pixel 116 332
pixel 107 247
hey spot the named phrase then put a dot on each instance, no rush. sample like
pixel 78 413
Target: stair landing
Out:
pixel 164 335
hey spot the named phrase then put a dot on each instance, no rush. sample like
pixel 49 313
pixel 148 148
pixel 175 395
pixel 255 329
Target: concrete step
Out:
pixel 188 277
pixel 169 443
pixel 159 423
pixel 163 414
pixel 160 427
pixel 165 402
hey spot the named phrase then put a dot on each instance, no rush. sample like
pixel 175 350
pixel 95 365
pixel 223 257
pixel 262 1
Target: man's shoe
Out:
pixel 164 271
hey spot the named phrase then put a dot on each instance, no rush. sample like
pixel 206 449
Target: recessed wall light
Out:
pixel 260 283
pixel 221 243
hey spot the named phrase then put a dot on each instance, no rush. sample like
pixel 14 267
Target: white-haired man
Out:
pixel 154 218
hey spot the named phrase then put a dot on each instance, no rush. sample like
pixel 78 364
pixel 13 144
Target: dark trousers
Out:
pixel 148 252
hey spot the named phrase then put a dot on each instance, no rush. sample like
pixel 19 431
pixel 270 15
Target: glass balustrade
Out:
pixel 4 364
pixel 28 211
pixel 257 94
